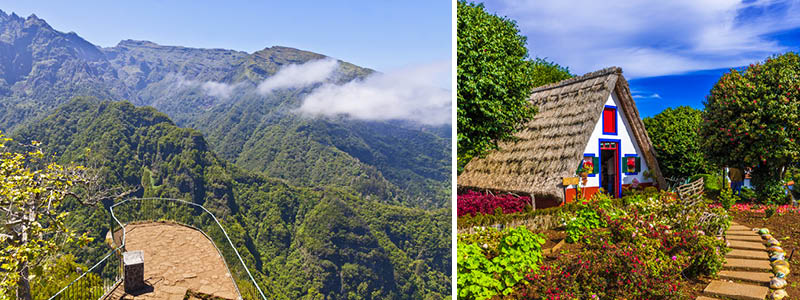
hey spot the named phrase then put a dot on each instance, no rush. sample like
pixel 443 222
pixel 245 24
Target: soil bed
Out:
pixel 552 237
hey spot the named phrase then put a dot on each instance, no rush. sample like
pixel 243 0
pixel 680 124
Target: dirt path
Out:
pixel 176 259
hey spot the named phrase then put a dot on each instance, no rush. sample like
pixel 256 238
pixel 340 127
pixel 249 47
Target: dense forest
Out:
pixel 305 240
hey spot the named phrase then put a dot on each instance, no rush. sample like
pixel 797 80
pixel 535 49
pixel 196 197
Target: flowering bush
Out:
pixel 641 251
pixel 639 247
pixel 750 120
pixel 606 270
pixel 472 203
pixel 779 209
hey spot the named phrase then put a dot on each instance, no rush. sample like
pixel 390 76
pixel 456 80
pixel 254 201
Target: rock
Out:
pixel 766 236
pixel 776 256
pixel 777 283
pixel 775 249
pixel 781 268
pixel 763 231
pixel 780 263
pixel 778 294
pixel 773 242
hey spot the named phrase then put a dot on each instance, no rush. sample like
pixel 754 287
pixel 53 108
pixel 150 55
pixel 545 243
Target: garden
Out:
pixel 646 245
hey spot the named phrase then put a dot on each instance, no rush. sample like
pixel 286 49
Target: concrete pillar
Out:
pixel 134 270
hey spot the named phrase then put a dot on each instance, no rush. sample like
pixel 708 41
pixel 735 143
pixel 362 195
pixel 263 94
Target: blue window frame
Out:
pixel 625 160
pixel 592 155
pixel 613 119
pixel 619 160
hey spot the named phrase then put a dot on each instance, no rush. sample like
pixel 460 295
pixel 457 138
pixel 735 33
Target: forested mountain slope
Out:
pixel 302 241
pixel 216 92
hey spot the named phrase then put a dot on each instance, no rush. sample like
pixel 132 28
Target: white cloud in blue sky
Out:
pixel 651 38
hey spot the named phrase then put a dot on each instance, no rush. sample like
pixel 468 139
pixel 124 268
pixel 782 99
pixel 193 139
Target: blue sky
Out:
pixel 383 35
pixel 672 52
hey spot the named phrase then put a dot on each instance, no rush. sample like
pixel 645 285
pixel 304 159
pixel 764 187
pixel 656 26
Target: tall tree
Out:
pixel 495 78
pixel 752 118
pixel 675 135
pixel 31 194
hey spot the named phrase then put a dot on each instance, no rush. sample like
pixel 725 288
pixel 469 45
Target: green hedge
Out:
pixel 500 218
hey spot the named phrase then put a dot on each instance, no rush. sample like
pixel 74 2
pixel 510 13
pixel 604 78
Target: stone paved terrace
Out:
pixel 177 259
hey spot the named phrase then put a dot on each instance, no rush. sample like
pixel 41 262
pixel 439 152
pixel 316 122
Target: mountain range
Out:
pixel 42 68
pixel 319 206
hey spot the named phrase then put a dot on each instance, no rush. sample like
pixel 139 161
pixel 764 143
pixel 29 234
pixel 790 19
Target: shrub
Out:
pixel 474 279
pixel 648 245
pixel 727 198
pixel 473 203
pixel 711 183
pixel 587 217
pixel 485 271
pixel 747 194
pixel 674 133
pixel 605 270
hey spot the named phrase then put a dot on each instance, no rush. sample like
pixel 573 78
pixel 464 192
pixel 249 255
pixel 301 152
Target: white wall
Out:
pixel 628 144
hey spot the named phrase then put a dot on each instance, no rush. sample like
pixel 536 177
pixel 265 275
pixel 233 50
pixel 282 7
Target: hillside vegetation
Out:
pixel 301 241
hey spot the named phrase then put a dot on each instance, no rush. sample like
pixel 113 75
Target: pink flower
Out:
pixel 674 257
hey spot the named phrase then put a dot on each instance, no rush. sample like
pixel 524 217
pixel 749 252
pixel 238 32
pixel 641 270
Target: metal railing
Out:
pixel 138 210
pixel 96 282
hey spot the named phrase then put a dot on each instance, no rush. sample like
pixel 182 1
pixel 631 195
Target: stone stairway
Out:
pixel 746 273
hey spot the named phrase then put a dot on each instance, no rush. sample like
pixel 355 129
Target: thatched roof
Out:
pixel 550 146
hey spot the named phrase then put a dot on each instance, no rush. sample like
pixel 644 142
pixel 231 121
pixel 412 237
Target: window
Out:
pixel 631 164
pixel 610 120
pixel 590 160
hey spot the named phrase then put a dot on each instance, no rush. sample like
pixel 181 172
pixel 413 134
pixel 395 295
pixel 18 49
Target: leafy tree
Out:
pixel 752 118
pixel 495 78
pixel 31 193
pixel 675 135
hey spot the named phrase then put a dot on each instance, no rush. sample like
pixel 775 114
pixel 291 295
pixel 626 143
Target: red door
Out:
pixel 609 167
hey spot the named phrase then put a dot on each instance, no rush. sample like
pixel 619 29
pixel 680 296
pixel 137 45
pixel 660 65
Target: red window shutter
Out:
pixel 609 120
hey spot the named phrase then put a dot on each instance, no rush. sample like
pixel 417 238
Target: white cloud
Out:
pixel 210 88
pixel 651 38
pixel 646 96
pixel 294 76
pixel 409 94
pixel 219 89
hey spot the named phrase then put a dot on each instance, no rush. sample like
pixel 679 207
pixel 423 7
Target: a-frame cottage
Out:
pixel 591 118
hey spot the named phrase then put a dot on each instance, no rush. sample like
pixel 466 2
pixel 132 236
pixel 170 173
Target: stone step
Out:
pixel 739 227
pixel 742 232
pixel 747 245
pixel 746 238
pixel 747 254
pixel 705 298
pixel 736 290
pixel 746 265
pixel 760 278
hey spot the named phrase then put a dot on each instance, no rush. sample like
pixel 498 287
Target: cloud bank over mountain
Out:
pixel 299 75
pixel 407 94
